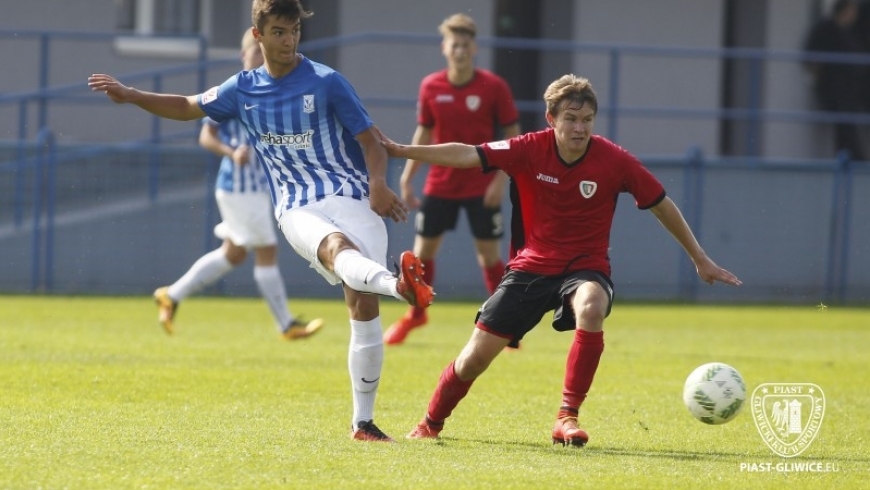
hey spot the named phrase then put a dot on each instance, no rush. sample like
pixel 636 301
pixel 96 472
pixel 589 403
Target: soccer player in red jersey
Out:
pixel 458 104
pixel 566 183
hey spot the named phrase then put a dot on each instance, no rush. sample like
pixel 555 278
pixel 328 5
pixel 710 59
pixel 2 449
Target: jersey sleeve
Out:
pixel 641 183
pixel 505 155
pixel 220 103
pixel 425 117
pixel 346 105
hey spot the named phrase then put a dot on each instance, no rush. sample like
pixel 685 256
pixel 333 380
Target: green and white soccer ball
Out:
pixel 714 393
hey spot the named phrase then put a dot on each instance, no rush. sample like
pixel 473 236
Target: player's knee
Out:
pixel 590 307
pixel 235 254
pixel 331 246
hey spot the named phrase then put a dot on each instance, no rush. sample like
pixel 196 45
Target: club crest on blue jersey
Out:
pixel 308 104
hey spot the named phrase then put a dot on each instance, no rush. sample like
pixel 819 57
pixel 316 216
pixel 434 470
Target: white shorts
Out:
pixel 307 226
pixel 248 220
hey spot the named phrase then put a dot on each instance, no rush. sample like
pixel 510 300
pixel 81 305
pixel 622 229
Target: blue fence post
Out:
pixel 47 142
pixel 37 229
pixel 753 126
pixel 44 41
pixel 213 163
pixel 613 98
pixel 20 168
pixel 154 152
pixel 43 190
pixel 693 189
pixel 838 247
pixel 846 228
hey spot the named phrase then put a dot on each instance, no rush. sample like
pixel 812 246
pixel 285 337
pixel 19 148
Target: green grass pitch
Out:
pixel 93 395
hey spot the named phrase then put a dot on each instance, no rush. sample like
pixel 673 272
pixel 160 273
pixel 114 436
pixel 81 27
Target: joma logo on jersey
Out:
pixel 547 178
pixel 295 141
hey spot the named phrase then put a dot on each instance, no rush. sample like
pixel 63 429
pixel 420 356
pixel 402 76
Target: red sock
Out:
pixel 449 392
pixel 492 276
pixel 581 366
pixel 428 271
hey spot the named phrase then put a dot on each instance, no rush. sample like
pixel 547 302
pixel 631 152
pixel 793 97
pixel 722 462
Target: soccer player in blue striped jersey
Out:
pixel 243 201
pixel 327 172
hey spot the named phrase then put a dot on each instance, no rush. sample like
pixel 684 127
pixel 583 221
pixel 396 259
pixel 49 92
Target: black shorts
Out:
pixel 437 215
pixel 522 299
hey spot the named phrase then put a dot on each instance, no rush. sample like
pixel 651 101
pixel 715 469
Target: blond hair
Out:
pixel 458 24
pixel 248 39
pixel 570 90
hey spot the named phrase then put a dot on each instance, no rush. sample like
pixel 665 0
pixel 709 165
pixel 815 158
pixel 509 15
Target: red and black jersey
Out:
pixel 468 114
pixel 563 211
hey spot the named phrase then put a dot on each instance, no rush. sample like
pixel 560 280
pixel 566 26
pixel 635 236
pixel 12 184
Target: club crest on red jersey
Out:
pixel 472 102
pixel 587 188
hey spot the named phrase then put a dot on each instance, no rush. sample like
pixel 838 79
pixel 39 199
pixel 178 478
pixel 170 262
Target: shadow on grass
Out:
pixel 670 454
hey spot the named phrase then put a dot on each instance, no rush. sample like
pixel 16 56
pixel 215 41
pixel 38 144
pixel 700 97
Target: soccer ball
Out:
pixel 714 393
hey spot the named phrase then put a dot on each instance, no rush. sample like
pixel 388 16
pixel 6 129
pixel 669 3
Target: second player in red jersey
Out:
pixel 462 104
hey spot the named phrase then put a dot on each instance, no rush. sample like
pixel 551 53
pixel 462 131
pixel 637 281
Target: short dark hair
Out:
pixel 282 9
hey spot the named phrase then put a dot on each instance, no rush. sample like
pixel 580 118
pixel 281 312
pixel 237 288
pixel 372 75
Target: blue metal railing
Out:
pixel 45 159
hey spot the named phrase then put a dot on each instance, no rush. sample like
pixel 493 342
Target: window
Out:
pixel 173 28
pixel 169 17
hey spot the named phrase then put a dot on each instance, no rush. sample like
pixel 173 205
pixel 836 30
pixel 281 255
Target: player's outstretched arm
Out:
pixel 671 218
pixel 448 154
pixel 169 106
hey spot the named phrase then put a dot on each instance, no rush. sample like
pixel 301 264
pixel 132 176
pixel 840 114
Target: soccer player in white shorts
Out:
pixel 248 224
pixel 308 126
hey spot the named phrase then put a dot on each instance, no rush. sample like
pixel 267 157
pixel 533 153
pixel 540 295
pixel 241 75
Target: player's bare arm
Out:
pixel 169 106
pixel 422 136
pixel 382 199
pixel 457 155
pixel 210 140
pixel 671 218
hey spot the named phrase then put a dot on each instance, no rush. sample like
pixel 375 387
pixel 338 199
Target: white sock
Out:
pixel 364 361
pixel 204 272
pixel 364 275
pixel 271 286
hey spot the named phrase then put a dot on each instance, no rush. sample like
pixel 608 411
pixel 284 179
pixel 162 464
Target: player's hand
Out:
pixel 709 272
pixel 386 203
pixel 242 155
pixel 408 196
pixel 115 90
pixel 393 149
